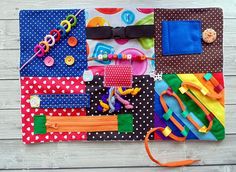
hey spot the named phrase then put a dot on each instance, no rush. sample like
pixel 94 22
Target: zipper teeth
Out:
pixel 94 123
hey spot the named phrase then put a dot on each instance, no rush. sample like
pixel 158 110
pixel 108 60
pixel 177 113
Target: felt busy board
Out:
pixel 122 74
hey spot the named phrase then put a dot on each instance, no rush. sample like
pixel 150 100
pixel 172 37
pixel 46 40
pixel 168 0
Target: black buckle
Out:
pixel 118 33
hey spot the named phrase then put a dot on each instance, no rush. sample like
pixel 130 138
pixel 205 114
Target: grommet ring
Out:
pixel 39 48
pixel 63 30
pixel 74 19
pixel 51 38
pixel 46 48
pixel 63 22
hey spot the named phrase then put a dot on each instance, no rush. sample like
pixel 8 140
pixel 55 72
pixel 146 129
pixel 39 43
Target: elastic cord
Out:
pixel 208 94
pixel 208 114
pixel 169 164
pixel 112 108
pixel 164 105
pixel 126 103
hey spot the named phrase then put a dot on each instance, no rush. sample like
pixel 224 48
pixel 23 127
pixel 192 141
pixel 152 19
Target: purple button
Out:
pixel 48 61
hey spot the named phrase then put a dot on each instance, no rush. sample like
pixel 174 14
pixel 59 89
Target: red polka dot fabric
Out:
pixel 49 85
pixel 211 60
pixel 118 76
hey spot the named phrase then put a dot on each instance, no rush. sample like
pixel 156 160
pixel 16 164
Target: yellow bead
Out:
pixel 166 132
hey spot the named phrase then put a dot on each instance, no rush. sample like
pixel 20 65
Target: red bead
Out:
pixel 218 88
pixel 210 117
pixel 169 91
pixel 115 56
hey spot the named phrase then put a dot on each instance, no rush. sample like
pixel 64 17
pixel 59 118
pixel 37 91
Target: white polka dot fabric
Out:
pixel 211 60
pixel 34 26
pixel 118 76
pixel 143 111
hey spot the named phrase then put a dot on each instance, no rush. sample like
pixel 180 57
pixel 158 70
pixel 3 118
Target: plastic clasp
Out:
pixel 118 33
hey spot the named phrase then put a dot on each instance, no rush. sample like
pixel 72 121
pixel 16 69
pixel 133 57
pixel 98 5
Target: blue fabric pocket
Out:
pixel 181 37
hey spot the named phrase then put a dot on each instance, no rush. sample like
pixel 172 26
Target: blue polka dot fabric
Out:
pixel 64 100
pixel 34 26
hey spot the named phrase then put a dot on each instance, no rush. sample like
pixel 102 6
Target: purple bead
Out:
pixel 117 106
pixel 99 108
pixel 104 98
pixel 110 56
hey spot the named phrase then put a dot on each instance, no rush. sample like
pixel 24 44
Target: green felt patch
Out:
pixel 39 124
pixel 125 123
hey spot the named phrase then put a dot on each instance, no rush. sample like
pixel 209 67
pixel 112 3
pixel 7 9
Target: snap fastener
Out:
pixel 209 35
pixel 48 61
pixel 72 41
pixel 69 60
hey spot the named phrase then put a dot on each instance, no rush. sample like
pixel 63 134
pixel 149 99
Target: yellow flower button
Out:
pixel 69 60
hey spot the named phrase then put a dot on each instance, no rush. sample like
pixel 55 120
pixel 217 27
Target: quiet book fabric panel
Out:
pixel 122 74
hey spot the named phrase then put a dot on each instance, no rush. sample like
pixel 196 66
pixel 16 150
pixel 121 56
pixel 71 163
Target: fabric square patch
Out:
pixel 181 37
pixel 143 111
pixel 118 76
pixel 211 58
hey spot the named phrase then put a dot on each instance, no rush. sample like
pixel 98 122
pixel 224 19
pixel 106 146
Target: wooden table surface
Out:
pixel 106 156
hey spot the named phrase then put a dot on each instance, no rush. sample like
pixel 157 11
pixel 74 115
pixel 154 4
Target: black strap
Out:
pixel 128 32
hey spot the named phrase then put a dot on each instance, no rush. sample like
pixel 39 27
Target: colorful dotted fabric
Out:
pixel 36 24
pixel 49 85
pixel 63 92
pixel 117 17
pixel 64 100
pixel 143 111
pixel 211 60
pixel 118 76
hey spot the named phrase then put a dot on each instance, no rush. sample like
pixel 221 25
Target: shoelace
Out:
pixel 184 89
pixel 168 112
pixel 184 113
pixel 167 133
